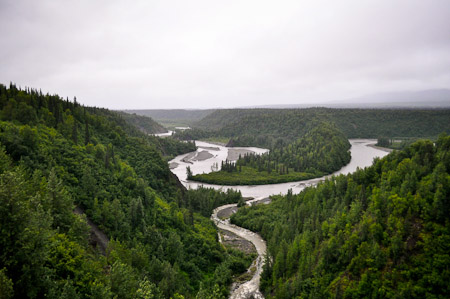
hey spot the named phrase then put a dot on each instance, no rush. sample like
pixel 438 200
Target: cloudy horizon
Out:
pixel 208 54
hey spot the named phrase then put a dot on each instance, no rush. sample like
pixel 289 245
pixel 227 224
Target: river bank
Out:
pixel 385 149
pixel 362 156
pixel 249 288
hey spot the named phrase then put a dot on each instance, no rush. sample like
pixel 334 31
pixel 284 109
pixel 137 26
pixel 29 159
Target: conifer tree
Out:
pixel 87 138
pixel 74 132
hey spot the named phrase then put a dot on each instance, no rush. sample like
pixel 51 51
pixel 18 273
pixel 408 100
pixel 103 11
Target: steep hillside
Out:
pixel 144 123
pixel 382 232
pixel 56 155
pixel 173 117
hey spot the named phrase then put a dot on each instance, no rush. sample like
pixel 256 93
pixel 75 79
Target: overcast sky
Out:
pixel 202 54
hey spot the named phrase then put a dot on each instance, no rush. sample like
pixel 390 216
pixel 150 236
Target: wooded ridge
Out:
pixel 381 232
pixel 322 150
pixel 55 155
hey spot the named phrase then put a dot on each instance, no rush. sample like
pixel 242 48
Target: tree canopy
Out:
pixel 381 232
pixel 56 155
pixel 322 150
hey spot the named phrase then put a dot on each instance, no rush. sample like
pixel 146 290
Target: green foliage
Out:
pixel 384 142
pixel 80 123
pixel 263 127
pixel 381 232
pixel 173 117
pixel 143 123
pixel 251 176
pixel 205 200
pixel 171 148
pixel 399 142
pixel 188 172
pixel 6 286
pixel 322 150
pixel 160 246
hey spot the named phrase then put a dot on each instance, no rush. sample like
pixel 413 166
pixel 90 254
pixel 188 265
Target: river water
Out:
pixel 169 133
pixel 362 156
pixel 209 155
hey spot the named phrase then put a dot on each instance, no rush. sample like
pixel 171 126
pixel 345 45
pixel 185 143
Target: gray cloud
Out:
pixel 172 54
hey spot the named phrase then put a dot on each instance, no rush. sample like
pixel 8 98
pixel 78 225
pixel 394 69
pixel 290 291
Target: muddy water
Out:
pixel 362 156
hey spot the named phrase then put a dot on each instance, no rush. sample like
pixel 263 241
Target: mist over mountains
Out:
pixel 431 98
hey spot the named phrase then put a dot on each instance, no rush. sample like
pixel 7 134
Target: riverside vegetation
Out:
pixel 322 150
pixel 306 143
pixel 56 154
pixel 265 127
pixel 381 232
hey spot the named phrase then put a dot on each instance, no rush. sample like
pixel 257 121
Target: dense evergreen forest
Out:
pixel 381 232
pixel 56 155
pixel 143 123
pixel 173 117
pixel 322 150
pixel 263 127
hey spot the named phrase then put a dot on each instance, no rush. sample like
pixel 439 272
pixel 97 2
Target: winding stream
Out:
pixel 208 156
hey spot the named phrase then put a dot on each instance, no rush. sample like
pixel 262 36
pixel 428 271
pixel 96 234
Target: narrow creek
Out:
pixel 209 155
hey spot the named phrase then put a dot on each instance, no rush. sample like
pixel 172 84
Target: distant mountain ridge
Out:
pixel 173 116
pixel 430 98
pixel 355 123
pixel 145 124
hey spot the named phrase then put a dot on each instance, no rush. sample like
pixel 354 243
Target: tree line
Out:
pixel 322 150
pixel 56 154
pixel 255 125
pixel 381 232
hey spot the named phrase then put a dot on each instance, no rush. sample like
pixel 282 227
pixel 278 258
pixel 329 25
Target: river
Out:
pixel 209 155
pixel 167 134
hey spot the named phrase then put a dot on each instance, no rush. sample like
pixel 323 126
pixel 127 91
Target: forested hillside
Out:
pixel 55 155
pixel 382 232
pixel 144 123
pixel 265 126
pixel 173 117
pixel 322 150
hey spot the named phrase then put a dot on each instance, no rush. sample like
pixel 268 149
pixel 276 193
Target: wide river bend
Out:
pixel 208 156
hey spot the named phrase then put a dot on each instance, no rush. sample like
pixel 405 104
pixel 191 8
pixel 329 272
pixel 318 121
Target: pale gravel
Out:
pixel 233 153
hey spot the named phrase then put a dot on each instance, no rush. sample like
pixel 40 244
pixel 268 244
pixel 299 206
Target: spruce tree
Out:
pixel 87 138
pixel 74 132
